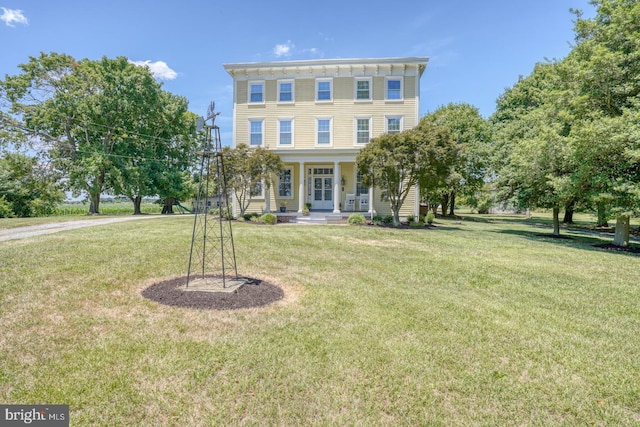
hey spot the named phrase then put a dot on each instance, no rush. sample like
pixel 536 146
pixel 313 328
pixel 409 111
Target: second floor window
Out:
pixel 363 90
pixel 256 92
pixel 285 91
pixel 394 89
pixel 285 135
pixel 323 92
pixel 324 132
pixel 255 133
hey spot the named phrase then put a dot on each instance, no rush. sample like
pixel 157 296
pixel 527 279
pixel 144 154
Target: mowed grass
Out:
pixel 470 323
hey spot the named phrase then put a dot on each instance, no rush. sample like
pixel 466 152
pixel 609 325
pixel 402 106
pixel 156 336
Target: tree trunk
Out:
pixel 137 201
pixel 621 237
pixel 452 205
pixel 602 216
pixel 568 213
pixel 94 205
pixel 167 209
pixel 396 218
pixel 444 202
pixel 556 221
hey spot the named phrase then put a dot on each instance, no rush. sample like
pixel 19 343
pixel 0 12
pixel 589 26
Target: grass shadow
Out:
pixel 581 241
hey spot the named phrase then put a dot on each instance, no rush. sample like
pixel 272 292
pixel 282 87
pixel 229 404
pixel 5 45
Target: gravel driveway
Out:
pixel 54 227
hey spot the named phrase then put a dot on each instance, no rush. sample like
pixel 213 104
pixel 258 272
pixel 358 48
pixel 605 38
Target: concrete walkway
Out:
pixel 54 227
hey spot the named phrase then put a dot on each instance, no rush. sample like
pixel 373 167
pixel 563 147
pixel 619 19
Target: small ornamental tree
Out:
pixel 248 168
pixel 397 163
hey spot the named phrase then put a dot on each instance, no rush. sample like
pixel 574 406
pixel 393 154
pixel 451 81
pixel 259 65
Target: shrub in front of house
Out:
pixel 269 218
pixel 429 218
pixel 356 219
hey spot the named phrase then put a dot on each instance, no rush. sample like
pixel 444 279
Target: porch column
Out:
pixel 267 200
pixel 301 194
pixel 371 211
pixel 337 195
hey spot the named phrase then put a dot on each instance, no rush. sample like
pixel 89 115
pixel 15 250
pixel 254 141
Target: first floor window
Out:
pixel 256 190
pixel 363 130
pixel 255 133
pixel 285 134
pixel 324 132
pixel 285 185
pixel 360 187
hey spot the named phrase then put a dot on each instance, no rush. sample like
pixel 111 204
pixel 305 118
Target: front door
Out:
pixel 322 197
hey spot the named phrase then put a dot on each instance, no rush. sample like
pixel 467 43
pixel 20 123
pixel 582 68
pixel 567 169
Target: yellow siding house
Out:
pixel 316 115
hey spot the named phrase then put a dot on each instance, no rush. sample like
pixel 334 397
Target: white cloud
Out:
pixel 159 69
pixel 13 16
pixel 284 49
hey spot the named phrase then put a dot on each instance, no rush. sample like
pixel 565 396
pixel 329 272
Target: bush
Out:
pixel 250 216
pixel 411 218
pixel 6 210
pixel 387 219
pixel 269 218
pixel 376 220
pixel 429 218
pixel 357 219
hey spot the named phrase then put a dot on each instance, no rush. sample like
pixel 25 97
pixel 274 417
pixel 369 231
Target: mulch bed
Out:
pixel 255 293
pixel 612 247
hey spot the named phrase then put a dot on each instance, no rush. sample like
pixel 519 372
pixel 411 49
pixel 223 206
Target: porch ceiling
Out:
pixel 315 155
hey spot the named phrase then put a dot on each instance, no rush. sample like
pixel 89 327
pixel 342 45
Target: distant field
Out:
pixel 470 323
pixel 106 208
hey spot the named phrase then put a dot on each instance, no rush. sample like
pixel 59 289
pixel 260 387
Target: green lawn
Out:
pixel 471 323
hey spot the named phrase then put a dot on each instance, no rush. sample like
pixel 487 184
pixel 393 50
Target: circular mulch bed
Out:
pixel 255 293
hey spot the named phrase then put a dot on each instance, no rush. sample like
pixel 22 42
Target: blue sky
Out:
pixel 476 48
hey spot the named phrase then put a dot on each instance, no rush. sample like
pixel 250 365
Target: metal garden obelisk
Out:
pixel 212 261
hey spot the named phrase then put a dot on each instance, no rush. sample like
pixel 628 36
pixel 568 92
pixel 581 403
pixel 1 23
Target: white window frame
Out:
pixel 317 87
pixel 255 120
pixel 355 129
pixel 355 89
pixel 293 91
pixel 257 196
pixel 386 88
pixel 291 183
pixel 249 93
pixel 286 119
pixel 330 119
pixel 390 117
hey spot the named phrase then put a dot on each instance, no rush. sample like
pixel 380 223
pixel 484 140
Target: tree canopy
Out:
pixel 396 163
pixel 109 124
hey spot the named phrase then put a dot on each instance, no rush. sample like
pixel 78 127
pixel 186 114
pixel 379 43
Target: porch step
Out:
pixel 321 219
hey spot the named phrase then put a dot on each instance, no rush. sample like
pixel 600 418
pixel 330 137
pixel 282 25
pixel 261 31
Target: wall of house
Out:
pixel 343 110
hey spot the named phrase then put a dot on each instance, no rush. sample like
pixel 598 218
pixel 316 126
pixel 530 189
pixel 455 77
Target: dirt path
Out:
pixel 54 227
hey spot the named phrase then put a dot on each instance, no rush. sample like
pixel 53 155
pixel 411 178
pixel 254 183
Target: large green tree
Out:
pixel 397 163
pixel 533 156
pixel 97 116
pixel 27 187
pixel 471 133
pixel 606 70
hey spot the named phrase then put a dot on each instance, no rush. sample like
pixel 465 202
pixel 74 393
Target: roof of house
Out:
pixel 330 67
